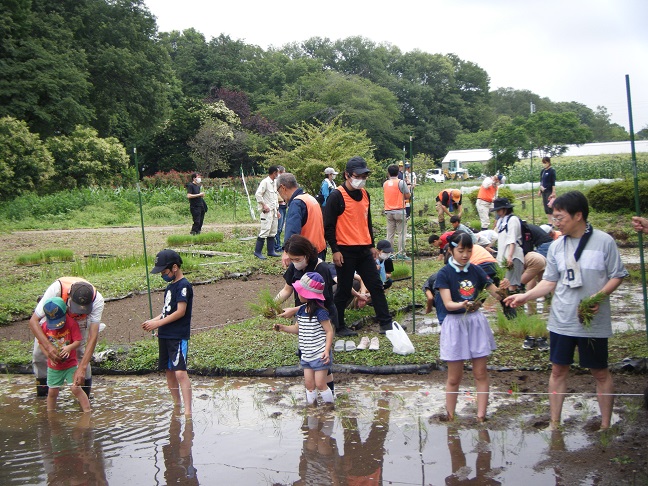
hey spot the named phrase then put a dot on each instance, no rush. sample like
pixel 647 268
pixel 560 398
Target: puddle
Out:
pixel 257 431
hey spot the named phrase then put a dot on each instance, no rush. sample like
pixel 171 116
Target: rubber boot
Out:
pixel 41 387
pixel 442 226
pixel 271 247
pixel 259 248
pixel 87 386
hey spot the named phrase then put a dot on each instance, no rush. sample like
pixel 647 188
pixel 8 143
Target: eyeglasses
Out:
pixel 363 176
pixel 557 220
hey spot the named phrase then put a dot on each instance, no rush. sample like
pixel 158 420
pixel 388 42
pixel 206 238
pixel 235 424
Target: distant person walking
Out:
pixel 197 204
pixel 266 196
pixel 485 197
pixel 328 184
pixel 396 193
pixel 547 187
pixel 447 202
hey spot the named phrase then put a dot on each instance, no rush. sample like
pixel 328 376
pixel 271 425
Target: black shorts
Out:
pixel 173 354
pixel 592 352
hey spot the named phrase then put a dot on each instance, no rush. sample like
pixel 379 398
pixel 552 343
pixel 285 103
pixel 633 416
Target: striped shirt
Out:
pixel 312 337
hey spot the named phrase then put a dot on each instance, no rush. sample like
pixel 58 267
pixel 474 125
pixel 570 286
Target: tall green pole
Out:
pixel 139 194
pixel 413 237
pixel 637 208
pixel 532 110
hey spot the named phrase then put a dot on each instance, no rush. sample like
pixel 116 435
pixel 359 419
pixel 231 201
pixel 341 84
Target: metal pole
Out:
pixel 413 237
pixel 532 109
pixel 637 208
pixel 139 194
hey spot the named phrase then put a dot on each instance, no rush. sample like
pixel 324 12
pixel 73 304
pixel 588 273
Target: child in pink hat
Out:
pixel 315 333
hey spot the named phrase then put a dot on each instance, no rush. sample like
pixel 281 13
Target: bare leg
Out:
pixel 455 374
pixel 482 383
pixel 557 388
pixel 52 395
pixel 604 390
pixel 174 387
pixel 80 395
pixel 185 387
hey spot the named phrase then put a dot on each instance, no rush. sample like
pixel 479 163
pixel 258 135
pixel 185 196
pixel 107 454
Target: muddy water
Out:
pixel 255 431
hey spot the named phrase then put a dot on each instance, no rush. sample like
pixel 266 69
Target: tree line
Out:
pixel 216 105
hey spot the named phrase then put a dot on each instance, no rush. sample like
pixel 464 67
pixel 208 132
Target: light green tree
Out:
pixel 83 159
pixel 307 149
pixel 25 162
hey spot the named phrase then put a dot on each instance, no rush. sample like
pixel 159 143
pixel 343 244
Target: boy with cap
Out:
pixel 448 201
pixel 63 332
pixel 85 305
pixel 173 327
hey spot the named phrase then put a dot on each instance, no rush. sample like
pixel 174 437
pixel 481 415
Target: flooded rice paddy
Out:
pixel 258 431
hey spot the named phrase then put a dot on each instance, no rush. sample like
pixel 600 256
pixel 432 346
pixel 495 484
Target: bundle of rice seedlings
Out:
pixel 473 305
pixel 266 305
pixel 586 308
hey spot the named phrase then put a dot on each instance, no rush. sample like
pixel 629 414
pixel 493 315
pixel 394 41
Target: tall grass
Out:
pixel 45 256
pixel 201 239
pixel 523 325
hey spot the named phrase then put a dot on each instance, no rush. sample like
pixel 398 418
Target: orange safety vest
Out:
pixel 394 198
pixel 487 193
pixel 66 285
pixel 313 229
pixel 450 193
pixel 352 227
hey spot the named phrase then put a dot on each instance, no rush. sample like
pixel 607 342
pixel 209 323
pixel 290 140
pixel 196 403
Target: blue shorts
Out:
pixel 173 354
pixel 317 365
pixel 592 352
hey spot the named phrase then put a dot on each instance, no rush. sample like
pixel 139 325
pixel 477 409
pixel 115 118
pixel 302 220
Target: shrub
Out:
pixel 618 196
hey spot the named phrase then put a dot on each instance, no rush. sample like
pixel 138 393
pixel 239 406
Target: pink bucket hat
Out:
pixel 310 286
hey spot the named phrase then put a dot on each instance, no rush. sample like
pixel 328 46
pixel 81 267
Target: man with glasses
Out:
pixel 583 263
pixel 349 233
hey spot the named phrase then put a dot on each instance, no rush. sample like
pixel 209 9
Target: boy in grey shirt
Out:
pixel 583 263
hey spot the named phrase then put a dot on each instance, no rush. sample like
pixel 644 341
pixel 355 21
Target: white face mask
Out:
pixel 198 180
pixel 358 183
pixel 384 256
pixel 300 265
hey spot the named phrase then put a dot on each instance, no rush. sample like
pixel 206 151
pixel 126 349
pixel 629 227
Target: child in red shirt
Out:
pixel 64 333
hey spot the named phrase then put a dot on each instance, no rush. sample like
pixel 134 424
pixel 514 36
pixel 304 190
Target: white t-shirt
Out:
pixel 509 230
pixel 54 290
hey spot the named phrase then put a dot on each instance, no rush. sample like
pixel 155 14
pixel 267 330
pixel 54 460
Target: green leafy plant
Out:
pixel 201 239
pixel 266 305
pixel 45 256
pixel 586 308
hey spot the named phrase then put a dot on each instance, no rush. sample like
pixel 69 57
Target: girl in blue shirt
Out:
pixel 465 333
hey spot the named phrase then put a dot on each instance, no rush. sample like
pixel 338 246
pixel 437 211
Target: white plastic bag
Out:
pixel 399 339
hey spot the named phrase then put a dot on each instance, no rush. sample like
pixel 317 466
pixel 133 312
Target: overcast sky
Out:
pixel 566 50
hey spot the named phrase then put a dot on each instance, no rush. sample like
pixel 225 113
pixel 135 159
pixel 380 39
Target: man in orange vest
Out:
pixel 487 193
pixel 85 305
pixel 448 201
pixel 349 233
pixel 396 193
pixel 304 215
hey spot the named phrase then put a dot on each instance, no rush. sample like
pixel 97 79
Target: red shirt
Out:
pixel 68 334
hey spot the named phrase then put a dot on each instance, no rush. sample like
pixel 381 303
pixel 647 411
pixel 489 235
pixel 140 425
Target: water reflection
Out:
pixel 71 455
pixel 178 460
pixel 256 431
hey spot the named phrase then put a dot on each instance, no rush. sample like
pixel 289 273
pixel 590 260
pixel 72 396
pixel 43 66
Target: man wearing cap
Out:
pixel 85 306
pixel 401 175
pixel 349 233
pixel 396 193
pixel 448 201
pixel 266 196
pixel 304 215
pixel 197 204
pixel 328 184
pixel 487 193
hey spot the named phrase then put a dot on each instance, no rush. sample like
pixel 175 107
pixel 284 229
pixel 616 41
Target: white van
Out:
pixel 435 175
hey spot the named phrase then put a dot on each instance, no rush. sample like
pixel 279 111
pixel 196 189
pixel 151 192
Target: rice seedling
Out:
pixel 266 305
pixel 401 270
pixel 201 239
pixel 586 308
pixel 45 256
pixel 522 325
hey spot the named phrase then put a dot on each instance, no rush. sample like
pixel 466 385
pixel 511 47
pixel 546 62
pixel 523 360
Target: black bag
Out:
pixel 205 205
pixel 320 198
pixel 527 237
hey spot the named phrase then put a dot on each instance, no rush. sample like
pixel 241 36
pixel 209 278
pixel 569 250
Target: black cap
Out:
pixel 165 259
pixel 357 165
pixel 385 245
pixel 82 295
pixel 501 203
